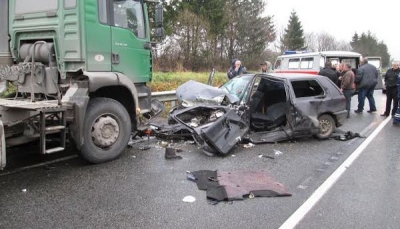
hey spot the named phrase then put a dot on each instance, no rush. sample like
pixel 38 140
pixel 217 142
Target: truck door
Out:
pixel 131 50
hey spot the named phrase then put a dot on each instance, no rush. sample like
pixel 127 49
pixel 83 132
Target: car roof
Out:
pixel 293 76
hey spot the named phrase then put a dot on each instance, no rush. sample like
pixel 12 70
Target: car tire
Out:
pixel 106 130
pixel 327 126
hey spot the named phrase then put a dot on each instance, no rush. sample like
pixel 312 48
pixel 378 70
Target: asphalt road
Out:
pixel 143 190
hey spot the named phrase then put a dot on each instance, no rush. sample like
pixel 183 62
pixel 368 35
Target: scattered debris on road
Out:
pixel 237 185
pixel 277 152
pixel 248 145
pixel 189 199
pixel 170 153
pixel 261 156
pixel 346 136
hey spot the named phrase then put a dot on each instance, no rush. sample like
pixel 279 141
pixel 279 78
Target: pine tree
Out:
pixel 293 37
pixel 367 45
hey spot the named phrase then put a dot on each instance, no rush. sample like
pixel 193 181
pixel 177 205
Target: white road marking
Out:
pixel 299 214
pixel 38 165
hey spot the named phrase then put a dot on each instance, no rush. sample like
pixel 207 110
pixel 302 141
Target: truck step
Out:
pixel 52 128
pixel 53 150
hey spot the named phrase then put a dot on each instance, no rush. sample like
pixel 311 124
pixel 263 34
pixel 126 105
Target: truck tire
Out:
pixel 327 126
pixel 106 130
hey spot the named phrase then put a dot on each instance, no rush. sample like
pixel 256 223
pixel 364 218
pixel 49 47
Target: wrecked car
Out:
pixel 258 108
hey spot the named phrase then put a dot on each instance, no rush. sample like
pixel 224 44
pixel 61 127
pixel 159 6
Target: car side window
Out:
pixel 307 88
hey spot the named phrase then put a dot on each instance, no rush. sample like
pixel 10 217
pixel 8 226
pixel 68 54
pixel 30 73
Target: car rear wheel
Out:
pixel 327 125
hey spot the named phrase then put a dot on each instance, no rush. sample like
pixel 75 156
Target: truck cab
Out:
pixel 76 69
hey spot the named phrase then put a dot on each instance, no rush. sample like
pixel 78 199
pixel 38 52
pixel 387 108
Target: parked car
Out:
pixel 259 108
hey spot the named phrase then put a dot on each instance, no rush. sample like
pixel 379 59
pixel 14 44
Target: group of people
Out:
pixel 365 80
pixel 343 76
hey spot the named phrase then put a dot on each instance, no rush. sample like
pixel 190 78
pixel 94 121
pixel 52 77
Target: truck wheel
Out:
pixel 327 125
pixel 106 130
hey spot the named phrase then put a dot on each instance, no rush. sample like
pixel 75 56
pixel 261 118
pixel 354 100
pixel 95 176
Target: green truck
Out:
pixel 76 71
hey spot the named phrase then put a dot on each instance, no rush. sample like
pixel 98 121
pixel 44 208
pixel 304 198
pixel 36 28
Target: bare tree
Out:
pixel 326 42
pixel 311 41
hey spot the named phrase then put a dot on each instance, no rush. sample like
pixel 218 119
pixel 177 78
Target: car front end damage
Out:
pixel 255 108
pixel 216 129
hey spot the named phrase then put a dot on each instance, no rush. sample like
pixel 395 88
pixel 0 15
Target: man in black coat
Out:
pixel 328 72
pixel 366 80
pixel 391 89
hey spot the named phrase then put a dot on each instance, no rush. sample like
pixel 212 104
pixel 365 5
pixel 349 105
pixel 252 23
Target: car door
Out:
pixel 131 49
pixel 308 100
pixel 268 96
pixel 225 133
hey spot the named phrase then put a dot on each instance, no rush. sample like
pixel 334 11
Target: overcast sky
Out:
pixel 342 18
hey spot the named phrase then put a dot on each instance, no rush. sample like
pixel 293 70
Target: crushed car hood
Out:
pixel 194 93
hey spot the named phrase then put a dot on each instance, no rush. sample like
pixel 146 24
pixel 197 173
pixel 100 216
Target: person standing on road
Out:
pixel 340 72
pixel 236 70
pixel 266 67
pixel 347 85
pixel 329 72
pixel 396 118
pixel 366 80
pixel 390 78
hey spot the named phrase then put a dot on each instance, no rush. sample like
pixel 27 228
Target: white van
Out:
pixel 313 62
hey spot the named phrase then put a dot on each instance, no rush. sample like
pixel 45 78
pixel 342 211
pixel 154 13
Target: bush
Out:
pixel 169 81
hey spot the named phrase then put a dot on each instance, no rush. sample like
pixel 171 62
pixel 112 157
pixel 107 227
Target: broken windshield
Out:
pixel 237 86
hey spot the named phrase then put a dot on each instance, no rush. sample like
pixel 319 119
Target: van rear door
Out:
pixel 377 62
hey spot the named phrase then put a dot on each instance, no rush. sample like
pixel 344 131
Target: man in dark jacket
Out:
pixel 396 117
pixel 236 69
pixel 366 80
pixel 391 88
pixel 329 72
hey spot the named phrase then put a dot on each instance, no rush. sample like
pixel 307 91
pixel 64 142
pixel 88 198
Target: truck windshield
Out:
pixel 129 14
pixel 29 6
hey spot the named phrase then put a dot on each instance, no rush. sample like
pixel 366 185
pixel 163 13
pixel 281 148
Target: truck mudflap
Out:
pixel 2 147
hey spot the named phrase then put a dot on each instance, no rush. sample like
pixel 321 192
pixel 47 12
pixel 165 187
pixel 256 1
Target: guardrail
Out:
pixel 165 96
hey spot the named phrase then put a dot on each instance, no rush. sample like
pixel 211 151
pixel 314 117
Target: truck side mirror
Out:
pixel 159 32
pixel 159 18
pixel 159 15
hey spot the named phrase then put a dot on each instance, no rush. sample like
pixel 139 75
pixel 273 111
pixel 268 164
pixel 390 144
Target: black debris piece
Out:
pixel 203 181
pixel 170 153
pixel 347 136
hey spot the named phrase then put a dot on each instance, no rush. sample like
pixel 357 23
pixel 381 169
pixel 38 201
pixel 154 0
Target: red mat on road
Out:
pixel 237 185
